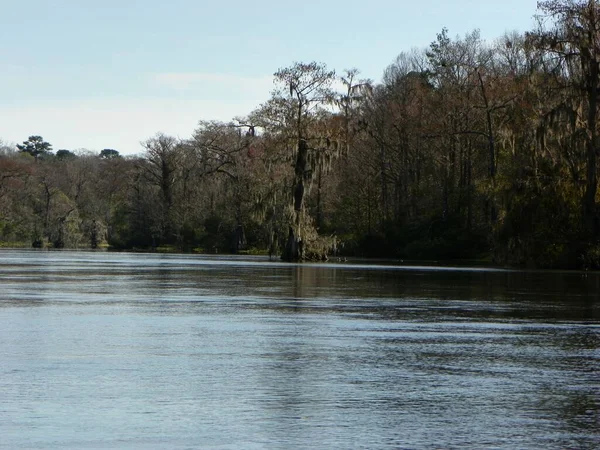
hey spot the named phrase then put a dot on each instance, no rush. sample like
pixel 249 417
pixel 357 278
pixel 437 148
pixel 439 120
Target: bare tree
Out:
pixel 160 169
pixel 304 88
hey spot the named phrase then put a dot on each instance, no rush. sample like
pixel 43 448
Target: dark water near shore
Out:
pixel 138 351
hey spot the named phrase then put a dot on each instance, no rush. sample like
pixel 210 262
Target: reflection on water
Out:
pixel 103 350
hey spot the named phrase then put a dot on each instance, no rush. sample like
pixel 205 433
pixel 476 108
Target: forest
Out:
pixel 465 150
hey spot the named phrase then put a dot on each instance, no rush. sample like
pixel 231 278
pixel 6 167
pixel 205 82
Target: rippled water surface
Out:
pixel 136 351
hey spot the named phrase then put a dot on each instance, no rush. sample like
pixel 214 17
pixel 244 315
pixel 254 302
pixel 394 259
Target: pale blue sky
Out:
pixel 109 74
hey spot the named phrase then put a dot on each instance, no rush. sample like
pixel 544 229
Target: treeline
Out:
pixel 466 149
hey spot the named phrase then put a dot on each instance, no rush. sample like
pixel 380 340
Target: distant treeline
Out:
pixel 466 149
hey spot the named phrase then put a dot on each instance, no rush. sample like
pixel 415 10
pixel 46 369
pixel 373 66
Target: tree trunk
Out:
pixel 94 235
pixel 590 215
pixel 319 199
pixel 293 248
pixel 238 239
pixel 492 169
pixel 290 252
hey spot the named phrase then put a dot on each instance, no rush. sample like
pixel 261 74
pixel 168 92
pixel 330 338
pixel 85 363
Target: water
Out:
pixel 135 351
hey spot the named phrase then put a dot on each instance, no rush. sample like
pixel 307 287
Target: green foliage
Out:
pixel 133 225
pixel 189 237
pixel 13 234
pixel 540 227
pixel 216 235
pixel 590 257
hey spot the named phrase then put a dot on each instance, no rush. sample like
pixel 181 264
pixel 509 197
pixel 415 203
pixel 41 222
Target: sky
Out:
pixel 109 74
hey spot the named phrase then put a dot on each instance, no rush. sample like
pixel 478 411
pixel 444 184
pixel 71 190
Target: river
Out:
pixel 143 351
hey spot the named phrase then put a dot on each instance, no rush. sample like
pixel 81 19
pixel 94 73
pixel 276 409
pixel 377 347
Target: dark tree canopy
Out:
pixel 35 146
pixel 109 153
pixel 63 154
